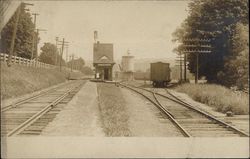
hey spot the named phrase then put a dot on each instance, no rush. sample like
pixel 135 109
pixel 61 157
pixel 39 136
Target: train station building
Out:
pixel 103 60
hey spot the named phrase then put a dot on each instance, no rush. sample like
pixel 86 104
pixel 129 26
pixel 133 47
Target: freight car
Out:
pixel 160 74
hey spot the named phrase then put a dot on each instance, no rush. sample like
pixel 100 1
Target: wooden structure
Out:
pixel 103 60
pixel 31 63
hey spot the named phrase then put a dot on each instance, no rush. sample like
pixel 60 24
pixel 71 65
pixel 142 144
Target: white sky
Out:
pixel 144 28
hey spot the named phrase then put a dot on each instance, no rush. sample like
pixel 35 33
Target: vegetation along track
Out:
pixel 191 121
pixel 30 116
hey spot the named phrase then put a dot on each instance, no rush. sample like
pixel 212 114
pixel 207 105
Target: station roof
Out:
pixel 103 53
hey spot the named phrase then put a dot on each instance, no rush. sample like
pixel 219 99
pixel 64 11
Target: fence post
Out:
pixel 4 57
pixel 15 59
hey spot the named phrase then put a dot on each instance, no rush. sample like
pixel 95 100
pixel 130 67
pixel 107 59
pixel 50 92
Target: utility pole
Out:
pixel 34 35
pixel 180 60
pixel 37 32
pixel 13 36
pixel 63 43
pixel 185 67
pixel 197 46
pixel 67 56
pixel 72 60
pixel 61 55
pixel 56 52
pixel 180 69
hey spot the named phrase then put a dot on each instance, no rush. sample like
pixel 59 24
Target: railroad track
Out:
pixel 190 121
pixel 30 116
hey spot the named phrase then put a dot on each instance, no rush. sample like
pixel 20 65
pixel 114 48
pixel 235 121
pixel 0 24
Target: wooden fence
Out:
pixel 24 61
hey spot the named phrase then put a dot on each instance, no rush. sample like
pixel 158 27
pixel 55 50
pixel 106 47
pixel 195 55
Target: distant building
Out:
pixel 103 60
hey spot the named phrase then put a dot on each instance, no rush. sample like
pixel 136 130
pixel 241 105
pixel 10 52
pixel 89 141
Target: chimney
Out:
pixel 95 36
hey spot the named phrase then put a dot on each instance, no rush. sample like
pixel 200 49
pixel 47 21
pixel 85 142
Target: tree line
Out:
pixel 226 23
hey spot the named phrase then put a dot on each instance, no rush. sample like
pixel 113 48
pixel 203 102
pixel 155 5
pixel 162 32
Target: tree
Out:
pixel 216 20
pixel 49 54
pixel 236 67
pixel 24 35
pixel 77 64
pixel 87 70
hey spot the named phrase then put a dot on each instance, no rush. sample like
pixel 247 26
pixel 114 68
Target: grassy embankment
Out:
pixel 114 115
pixel 219 97
pixel 19 80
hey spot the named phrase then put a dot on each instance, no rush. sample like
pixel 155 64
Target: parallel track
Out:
pixel 20 102
pixel 31 115
pixel 191 121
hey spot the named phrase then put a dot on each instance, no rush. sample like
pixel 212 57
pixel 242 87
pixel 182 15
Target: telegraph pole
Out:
pixel 185 67
pixel 37 32
pixel 63 43
pixel 72 61
pixel 61 55
pixel 34 35
pixel 180 69
pixel 197 46
pixel 66 56
pixel 56 52
pixel 180 60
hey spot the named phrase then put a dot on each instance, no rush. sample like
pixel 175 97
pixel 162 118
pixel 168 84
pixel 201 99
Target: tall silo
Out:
pixel 128 67
pixel 128 63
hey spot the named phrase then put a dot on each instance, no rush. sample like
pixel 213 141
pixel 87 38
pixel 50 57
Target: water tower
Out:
pixel 128 66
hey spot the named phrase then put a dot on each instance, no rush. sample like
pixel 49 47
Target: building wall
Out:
pixel 103 60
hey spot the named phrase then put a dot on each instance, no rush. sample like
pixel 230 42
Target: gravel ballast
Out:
pixel 80 117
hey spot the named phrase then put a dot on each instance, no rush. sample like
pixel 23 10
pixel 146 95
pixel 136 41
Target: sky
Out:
pixel 143 27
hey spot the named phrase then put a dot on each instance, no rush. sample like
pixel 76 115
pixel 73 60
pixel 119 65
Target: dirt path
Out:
pixel 145 119
pixel 80 117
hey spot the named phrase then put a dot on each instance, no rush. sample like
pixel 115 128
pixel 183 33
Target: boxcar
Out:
pixel 160 74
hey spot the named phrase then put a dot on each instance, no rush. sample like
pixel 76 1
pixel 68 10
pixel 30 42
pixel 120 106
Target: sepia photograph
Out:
pixel 124 78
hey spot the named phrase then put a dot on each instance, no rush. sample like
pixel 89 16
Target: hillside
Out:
pixel 19 80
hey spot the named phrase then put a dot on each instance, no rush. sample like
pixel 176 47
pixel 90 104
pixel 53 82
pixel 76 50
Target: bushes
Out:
pixel 219 97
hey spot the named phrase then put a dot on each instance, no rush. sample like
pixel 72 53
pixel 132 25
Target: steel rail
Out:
pixel 242 133
pixel 171 117
pixel 34 118
pixel 179 101
pixel 14 105
pixel 165 111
